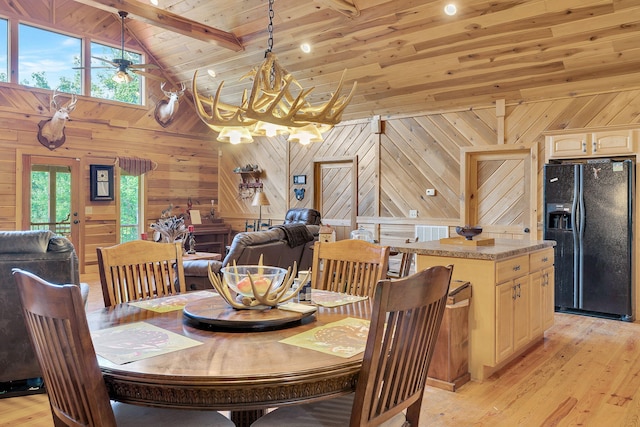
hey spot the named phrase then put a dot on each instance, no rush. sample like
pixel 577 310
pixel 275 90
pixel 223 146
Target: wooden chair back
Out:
pixel 404 269
pixel 140 269
pixel 57 325
pixel 349 266
pixel 407 314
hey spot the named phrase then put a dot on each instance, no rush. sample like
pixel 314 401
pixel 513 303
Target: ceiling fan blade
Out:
pixel 105 60
pixel 91 68
pixel 148 75
pixel 149 66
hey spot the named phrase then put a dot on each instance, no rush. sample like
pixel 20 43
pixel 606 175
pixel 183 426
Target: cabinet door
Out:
pixel 569 145
pixel 548 298
pixel 536 298
pixel 606 143
pixel 521 312
pixel 505 296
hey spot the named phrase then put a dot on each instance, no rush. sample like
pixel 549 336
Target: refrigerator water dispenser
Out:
pixel 559 216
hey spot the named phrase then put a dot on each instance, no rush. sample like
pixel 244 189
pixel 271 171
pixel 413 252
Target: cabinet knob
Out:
pixel 545 259
pixel 594 146
pixel 584 146
pixel 516 267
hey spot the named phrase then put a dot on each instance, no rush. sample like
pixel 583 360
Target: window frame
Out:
pixel 13 77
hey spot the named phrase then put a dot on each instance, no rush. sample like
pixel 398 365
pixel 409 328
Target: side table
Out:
pixel 202 255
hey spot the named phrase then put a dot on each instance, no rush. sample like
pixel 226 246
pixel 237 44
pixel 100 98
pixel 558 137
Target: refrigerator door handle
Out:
pixel 575 231
pixel 581 220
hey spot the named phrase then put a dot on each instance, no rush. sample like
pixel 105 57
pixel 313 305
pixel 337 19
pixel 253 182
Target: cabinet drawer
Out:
pixel 512 268
pixel 541 259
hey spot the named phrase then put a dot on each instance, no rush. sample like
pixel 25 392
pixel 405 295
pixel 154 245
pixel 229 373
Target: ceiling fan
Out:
pixel 123 65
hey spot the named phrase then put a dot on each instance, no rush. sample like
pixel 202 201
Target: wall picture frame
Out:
pixel 300 179
pixel 101 179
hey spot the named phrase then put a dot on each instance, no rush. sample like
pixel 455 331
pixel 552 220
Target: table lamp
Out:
pixel 260 199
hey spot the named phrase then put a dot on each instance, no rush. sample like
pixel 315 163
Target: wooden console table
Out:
pixel 212 237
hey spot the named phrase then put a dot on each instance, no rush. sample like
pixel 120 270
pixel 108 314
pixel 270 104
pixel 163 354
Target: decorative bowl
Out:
pixel 239 279
pixel 469 232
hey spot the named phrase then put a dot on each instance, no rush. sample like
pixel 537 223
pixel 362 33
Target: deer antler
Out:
pixel 272 101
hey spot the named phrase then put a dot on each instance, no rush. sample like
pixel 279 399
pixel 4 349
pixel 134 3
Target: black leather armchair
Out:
pixel 303 216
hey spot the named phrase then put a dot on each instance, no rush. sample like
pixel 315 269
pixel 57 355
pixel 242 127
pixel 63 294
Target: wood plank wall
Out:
pixel 415 153
pixel 186 154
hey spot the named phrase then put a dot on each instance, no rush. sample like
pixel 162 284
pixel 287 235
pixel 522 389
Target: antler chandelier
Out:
pixel 276 105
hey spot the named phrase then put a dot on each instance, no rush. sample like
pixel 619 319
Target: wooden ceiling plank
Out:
pixel 169 21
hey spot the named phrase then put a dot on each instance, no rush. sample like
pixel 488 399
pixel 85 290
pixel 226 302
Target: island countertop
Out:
pixel 502 249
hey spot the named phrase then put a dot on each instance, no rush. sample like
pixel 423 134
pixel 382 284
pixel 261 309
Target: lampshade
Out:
pixel 260 199
pixel 235 135
pixel 269 129
pixel 305 135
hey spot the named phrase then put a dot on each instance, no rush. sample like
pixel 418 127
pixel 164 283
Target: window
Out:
pixel 50 60
pixel 46 59
pixel 130 212
pixel 4 51
pixel 102 84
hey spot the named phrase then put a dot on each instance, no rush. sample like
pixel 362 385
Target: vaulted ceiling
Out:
pixel 406 55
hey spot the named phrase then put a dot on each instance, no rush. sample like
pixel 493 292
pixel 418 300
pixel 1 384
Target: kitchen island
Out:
pixel 512 301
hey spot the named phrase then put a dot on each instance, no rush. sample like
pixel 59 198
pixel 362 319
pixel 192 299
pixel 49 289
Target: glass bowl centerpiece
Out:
pixel 255 286
pixel 245 279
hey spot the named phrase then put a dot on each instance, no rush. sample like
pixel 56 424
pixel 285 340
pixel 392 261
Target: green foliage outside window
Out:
pixel 129 207
pixel 51 189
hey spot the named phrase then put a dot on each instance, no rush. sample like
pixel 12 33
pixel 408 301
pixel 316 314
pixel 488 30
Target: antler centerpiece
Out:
pixel 256 286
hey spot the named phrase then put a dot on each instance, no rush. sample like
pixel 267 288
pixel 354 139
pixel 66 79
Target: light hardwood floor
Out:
pixel 586 373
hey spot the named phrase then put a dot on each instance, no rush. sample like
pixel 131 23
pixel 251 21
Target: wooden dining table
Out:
pixel 244 371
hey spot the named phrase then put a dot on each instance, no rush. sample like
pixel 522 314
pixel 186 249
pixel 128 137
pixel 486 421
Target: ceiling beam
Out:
pixel 169 21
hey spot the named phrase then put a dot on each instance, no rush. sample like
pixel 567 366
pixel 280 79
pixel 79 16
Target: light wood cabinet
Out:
pixel 597 143
pixel 511 304
pixel 542 291
pixel 548 297
pixel 512 317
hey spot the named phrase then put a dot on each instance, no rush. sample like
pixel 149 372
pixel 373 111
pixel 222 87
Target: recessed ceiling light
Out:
pixel 305 47
pixel 450 9
pixel 154 2
pixel 211 73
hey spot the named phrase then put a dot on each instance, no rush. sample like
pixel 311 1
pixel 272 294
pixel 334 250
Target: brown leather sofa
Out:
pixel 47 255
pixel 278 247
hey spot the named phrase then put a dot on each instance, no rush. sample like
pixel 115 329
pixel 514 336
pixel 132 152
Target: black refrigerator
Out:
pixel 588 212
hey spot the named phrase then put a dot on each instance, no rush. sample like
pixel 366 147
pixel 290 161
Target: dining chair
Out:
pixel 140 269
pixel 349 266
pixel 406 318
pixel 58 328
pixel 405 264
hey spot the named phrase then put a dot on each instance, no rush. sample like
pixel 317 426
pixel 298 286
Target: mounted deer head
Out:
pixel 167 108
pixel 51 132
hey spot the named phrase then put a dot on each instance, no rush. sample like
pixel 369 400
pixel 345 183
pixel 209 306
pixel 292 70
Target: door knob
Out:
pixel 76 221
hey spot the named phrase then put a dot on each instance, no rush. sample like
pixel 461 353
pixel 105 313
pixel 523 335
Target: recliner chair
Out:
pixel 302 215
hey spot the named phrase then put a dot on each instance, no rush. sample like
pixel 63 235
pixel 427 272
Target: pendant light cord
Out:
pixel 270 29
pixel 122 16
